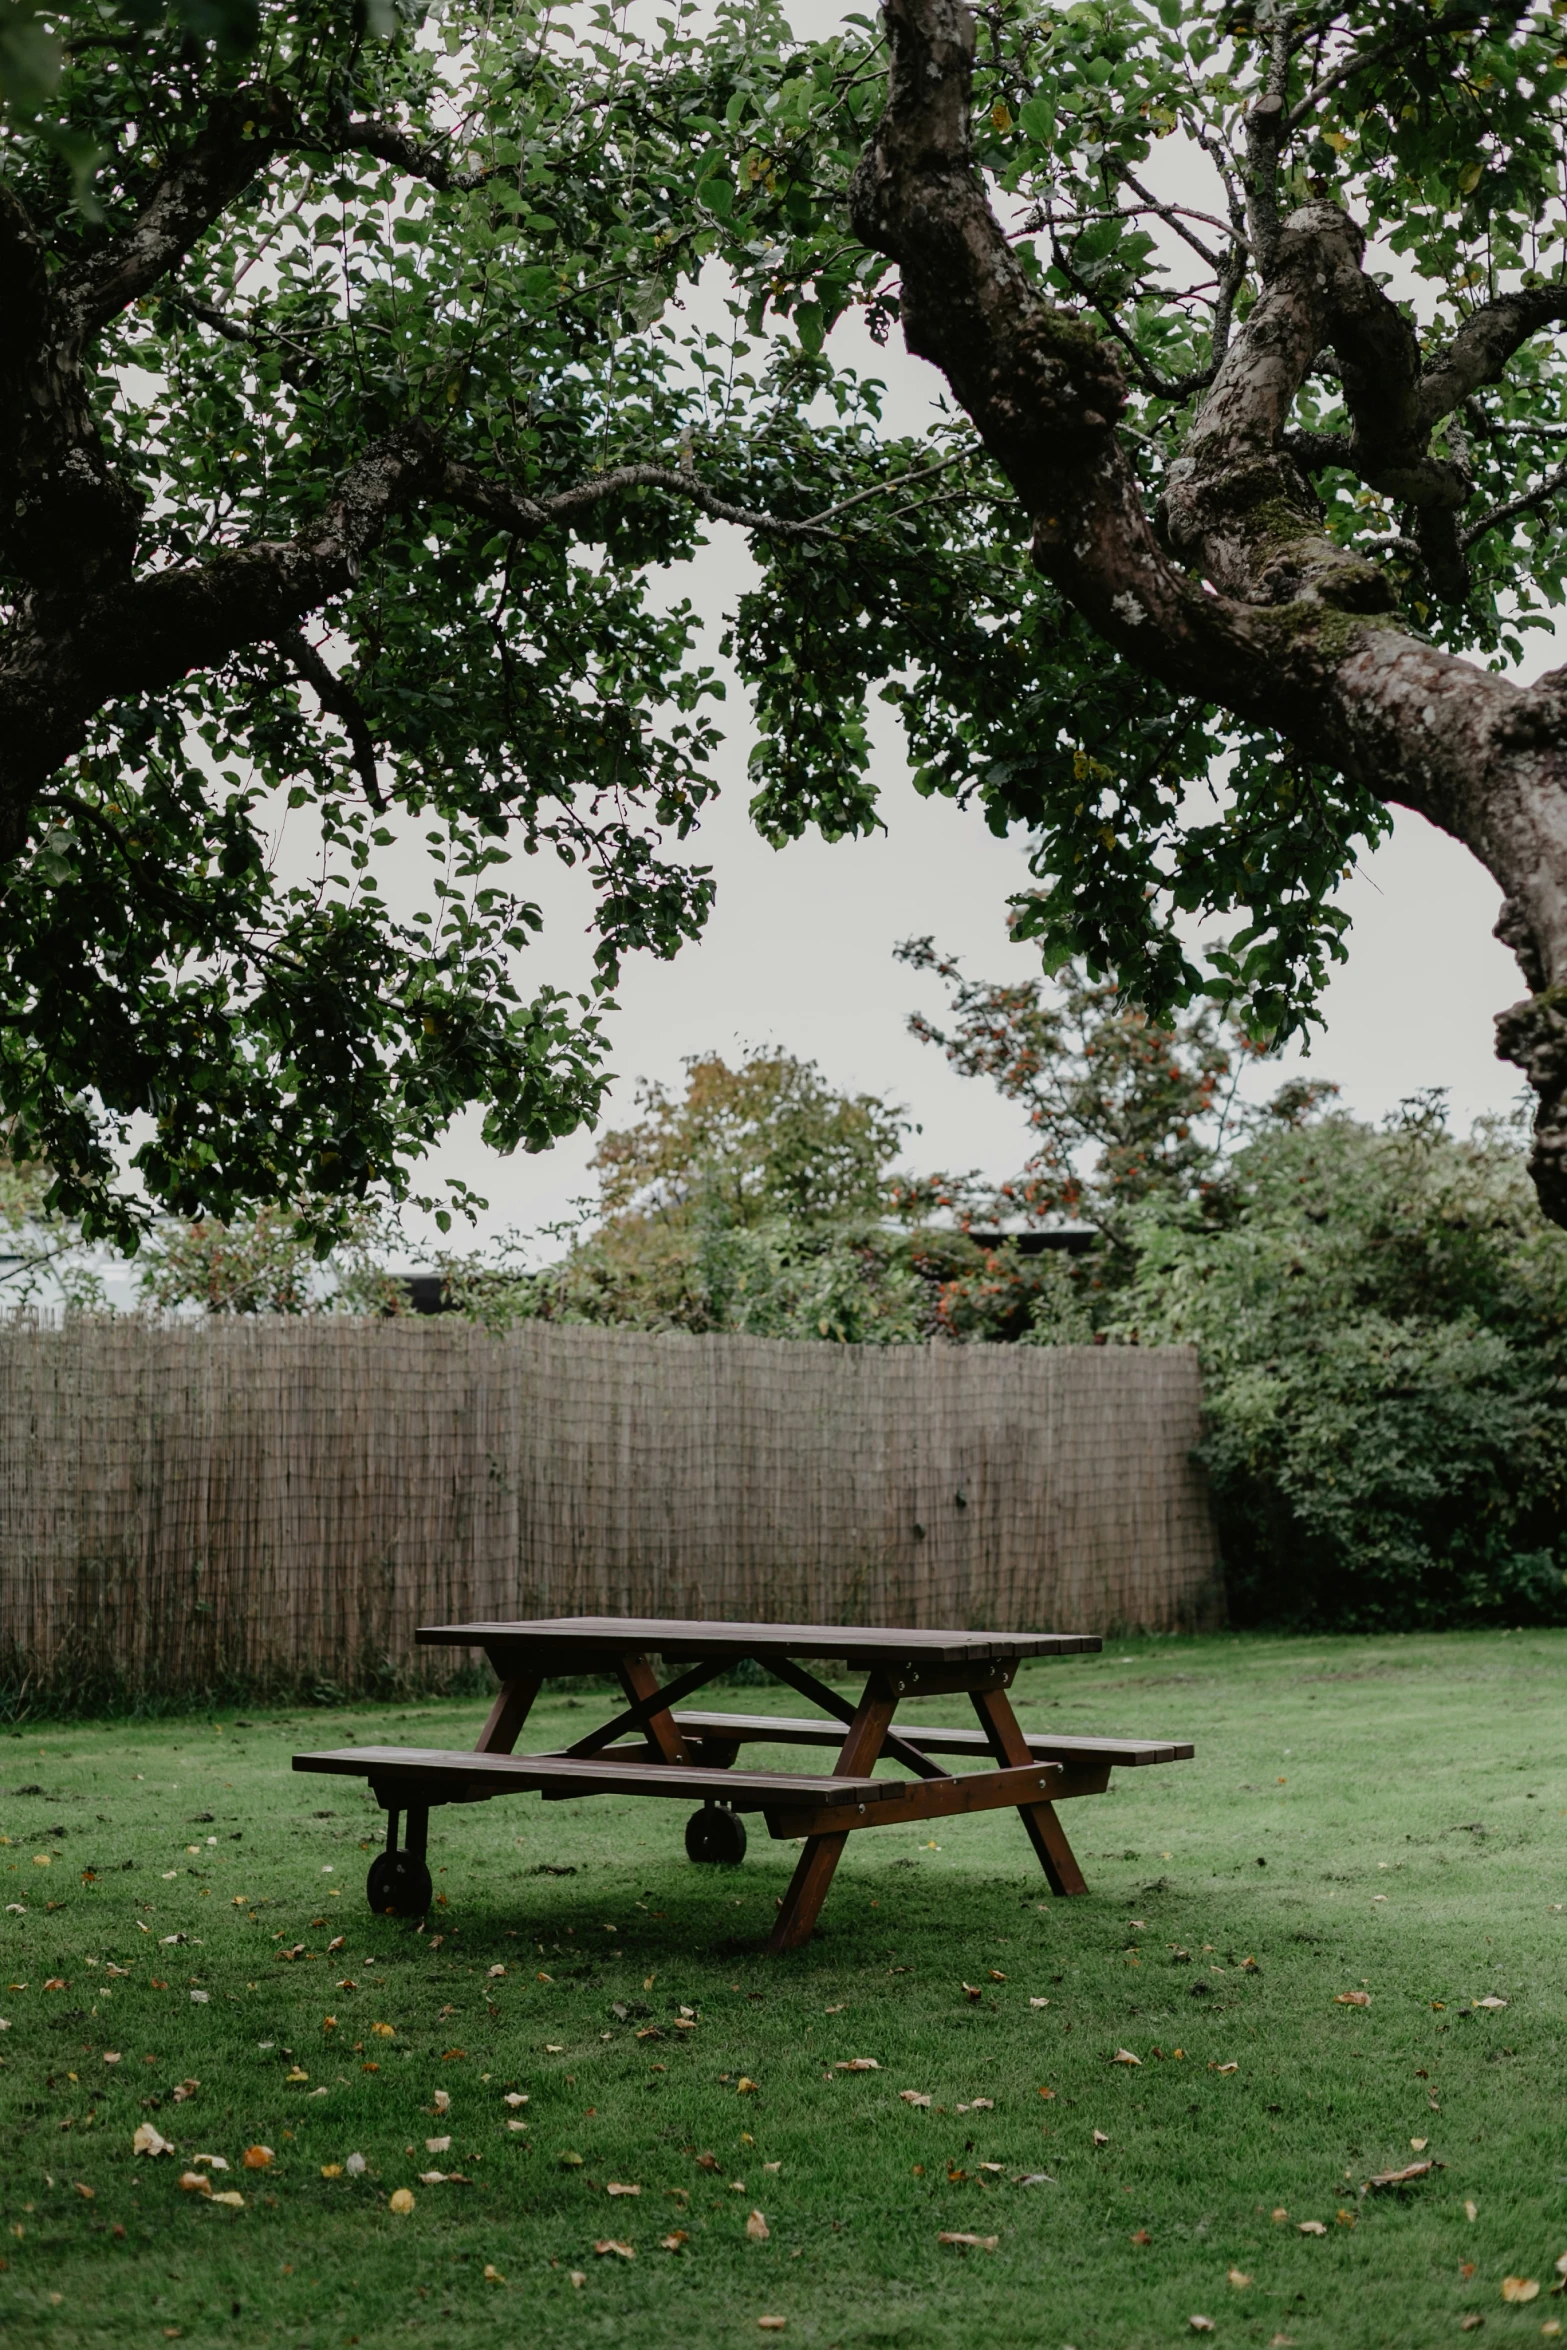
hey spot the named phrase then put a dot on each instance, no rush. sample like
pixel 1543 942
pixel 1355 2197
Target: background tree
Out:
pixel 350 416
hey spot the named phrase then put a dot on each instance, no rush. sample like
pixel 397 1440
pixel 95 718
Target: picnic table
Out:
pixel 650 1748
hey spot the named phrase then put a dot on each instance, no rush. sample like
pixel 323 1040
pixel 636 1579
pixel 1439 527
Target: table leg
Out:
pixel 640 1682
pixel 802 1904
pixel 1045 1832
pixel 513 1702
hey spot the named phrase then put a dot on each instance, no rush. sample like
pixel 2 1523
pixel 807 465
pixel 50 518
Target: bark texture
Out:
pixel 1235 592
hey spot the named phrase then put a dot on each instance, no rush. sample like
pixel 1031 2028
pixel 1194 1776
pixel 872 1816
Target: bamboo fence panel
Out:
pixel 186 1505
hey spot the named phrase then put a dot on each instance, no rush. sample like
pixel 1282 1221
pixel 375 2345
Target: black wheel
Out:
pixel 398 1885
pixel 715 1836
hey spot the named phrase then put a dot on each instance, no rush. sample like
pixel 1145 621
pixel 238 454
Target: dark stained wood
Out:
pixel 928 1799
pixel 795 1730
pixel 863 1647
pixel 432 1774
pixel 801 1905
pixel 513 1703
pixel 1045 1832
pixel 894 1747
pixel 648 1710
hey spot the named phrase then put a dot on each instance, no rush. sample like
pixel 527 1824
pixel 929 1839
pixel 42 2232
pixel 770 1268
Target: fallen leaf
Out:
pixel 973 1991
pixel 1466 2325
pixel 356 2166
pixel 913 2097
pixel 996 1975
pixel 257 2157
pixel 1466 2269
pixel 384 2031
pixel 512 2097
pixel 757 2228
pixel 401 2199
pixel 184 2090
pixel 296 2075
pixel 1100 2138
pixel 1039 2003
pixel 1561 2266
pixel 1125 2056
pixel 336 1944
pixel 569 2161
pixel 1352 1999
pixel 1401 2178
pixel 707 2162
pixel 1041 2178
pixel 620 2187
pixel 432 2178
pixel 772 2325
pixel 212 2161
pixel 858 2064
pixel 331 2170
pixel 1226 2068
pixel 1490 2000
pixel 232 2197
pixel 673 2241
pixel 1279 2214
pixel 1312 2227
pixel 1238 2277
pixel 195 2182
pixel 1419 2144
pixel 838 2010
pixel 579 2276
pixel 745 2086
pixel 1200 2325
pixel 496 1971
pixel 979 2105
pixel 1520 2288
pixel 86 2193
pixel 1047 2092
pixel 1140 2236
pixel 968 2243
pixel 436 2145
pixel 608 2244
pixel 57 1983
pixel 492 2275
pixel 149 2141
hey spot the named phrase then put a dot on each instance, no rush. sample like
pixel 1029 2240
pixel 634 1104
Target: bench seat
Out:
pixel 787 1730
pixel 451 1776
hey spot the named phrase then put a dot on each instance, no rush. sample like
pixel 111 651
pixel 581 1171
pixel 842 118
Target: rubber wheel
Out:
pixel 715 1837
pixel 398 1885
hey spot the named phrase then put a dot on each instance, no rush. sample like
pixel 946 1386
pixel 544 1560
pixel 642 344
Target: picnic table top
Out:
pixel 676 1636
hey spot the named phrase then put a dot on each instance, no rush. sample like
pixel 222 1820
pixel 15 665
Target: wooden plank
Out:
pixel 513 1703
pixel 796 1730
pixel 801 1905
pixel 864 1647
pixel 1045 1832
pixel 437 1769
pixel 928 1799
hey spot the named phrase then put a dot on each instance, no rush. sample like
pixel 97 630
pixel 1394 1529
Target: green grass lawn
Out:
pixel 1381 1816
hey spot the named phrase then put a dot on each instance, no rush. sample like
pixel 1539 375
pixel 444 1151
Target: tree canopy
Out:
pixel 365 375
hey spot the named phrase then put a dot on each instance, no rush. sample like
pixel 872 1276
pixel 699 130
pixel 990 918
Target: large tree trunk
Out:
pixel 1241 598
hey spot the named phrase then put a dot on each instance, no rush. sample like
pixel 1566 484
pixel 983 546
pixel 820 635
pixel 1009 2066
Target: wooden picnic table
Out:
pixel 648 1748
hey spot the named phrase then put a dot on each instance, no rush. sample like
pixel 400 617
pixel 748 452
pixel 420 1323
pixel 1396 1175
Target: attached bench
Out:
pixel 650 1749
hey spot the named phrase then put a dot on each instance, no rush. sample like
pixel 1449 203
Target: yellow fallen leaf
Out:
pixel 149 2141
pixel 384 2031
pixel 607 2244
pixel 996 1975
pixel 1471 2211
pixel 232 2197
pixel 1520 2288
pixel 1419 2144
pixel 968 2243
pixel 1238 2277
pixel 744 2086
pixel 296 2075
pixel 331 2170
pixel 1312 2227
pixel 492 2275
pixel 620 2187
pixel 257 2157
pixel 400 2199
pixel 757 2228
pixel 1101 2138
pixel 1279 2214
pixel 1125 2056
pixel 86 2193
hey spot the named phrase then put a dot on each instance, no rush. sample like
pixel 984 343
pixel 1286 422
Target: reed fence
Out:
pixel 190 1506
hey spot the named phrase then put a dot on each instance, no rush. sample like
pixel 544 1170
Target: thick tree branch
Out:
pixel 1478 353
pixel 341 702
pixel 1301 640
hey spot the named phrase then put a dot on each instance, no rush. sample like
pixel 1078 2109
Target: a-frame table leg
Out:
pixel 802 1904
pixel 1045 1832
pixel 513 1703
pixel 640 1682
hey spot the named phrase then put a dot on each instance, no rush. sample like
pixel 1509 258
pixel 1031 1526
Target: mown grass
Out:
pixel 1384 1815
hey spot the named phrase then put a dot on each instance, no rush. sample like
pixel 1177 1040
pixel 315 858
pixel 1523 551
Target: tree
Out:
pixel 363 376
